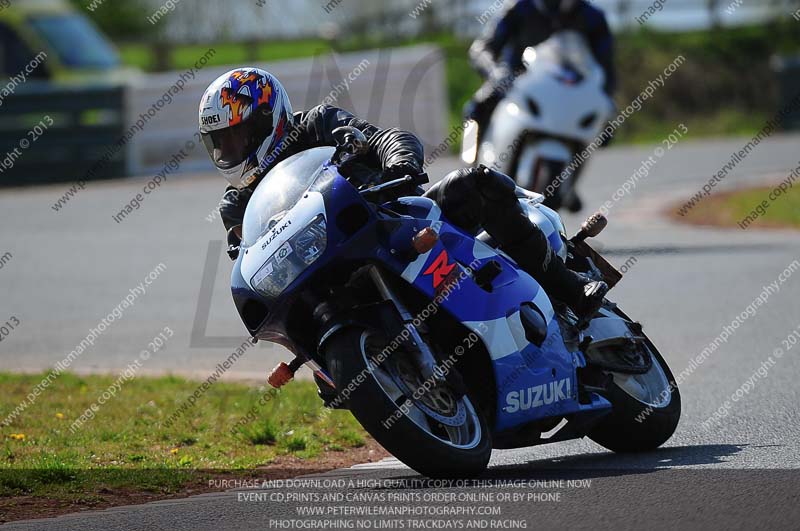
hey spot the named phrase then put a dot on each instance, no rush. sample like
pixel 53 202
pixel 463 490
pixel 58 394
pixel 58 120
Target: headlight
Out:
pixel 310 243
pixel 291 259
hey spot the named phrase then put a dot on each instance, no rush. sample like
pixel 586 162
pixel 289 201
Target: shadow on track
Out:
pixel 670 250
pixel 608 464
pixel 611 464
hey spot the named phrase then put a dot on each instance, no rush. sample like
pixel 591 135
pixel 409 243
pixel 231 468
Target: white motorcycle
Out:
pixel 551 113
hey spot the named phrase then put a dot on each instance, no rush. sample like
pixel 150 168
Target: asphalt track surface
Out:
pixel 71 268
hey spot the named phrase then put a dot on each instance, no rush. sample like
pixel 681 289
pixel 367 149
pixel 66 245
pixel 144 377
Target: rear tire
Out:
pixel 347 358
pixel 636 426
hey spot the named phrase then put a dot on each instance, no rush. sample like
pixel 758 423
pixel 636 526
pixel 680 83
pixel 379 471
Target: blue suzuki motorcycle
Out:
pixel 434 338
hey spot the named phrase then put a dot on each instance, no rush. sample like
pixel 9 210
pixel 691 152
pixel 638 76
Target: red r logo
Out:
pixel 440 269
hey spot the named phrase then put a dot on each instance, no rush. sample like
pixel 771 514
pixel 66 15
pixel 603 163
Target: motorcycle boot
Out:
pixel 536 257
pixel 507 222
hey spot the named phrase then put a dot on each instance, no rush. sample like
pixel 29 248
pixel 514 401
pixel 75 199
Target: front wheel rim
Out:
pixel 465 436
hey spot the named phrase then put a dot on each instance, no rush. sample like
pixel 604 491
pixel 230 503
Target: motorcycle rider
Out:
pixel 497 55
pixel 247 126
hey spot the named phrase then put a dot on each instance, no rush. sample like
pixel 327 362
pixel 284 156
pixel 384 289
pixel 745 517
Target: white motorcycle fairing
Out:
pixel 553 110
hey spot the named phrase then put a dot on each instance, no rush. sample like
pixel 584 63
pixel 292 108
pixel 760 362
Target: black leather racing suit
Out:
pixel 498 53
pixel 470 198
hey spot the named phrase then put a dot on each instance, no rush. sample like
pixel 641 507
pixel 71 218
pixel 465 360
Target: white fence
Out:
pixel 401 87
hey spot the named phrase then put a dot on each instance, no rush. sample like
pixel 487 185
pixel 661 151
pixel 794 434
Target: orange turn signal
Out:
pixel 280 375
pixel 425 240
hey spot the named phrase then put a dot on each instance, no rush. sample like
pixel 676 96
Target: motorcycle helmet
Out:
pixel 245 117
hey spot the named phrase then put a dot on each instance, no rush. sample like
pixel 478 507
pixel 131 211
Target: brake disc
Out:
pixel 436 401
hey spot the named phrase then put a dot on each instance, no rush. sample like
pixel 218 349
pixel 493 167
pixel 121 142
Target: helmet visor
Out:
pixel 231 146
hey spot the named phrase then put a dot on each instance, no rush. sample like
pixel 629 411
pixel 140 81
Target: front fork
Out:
pixel 421 353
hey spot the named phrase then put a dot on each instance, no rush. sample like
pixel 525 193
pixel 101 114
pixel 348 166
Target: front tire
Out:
pixel 412 437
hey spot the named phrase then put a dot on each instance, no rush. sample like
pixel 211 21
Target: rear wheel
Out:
pixel 436 432
pixel 646 409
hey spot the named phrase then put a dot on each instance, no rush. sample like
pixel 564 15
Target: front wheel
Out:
pixel 435 432
pixel 645 409
pixel 538 173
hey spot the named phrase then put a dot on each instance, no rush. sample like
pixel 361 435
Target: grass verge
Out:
pixel 708 93
pixel 751 208
pixel 128 445
pixel 183 57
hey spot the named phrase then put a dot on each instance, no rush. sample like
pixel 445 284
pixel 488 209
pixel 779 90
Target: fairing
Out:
pixel 533 382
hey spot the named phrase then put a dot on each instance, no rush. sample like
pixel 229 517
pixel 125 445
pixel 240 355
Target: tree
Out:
pixel 119 19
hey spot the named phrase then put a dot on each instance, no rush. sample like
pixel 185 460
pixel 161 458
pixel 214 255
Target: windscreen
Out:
pixel 280 190
pixel 566 49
